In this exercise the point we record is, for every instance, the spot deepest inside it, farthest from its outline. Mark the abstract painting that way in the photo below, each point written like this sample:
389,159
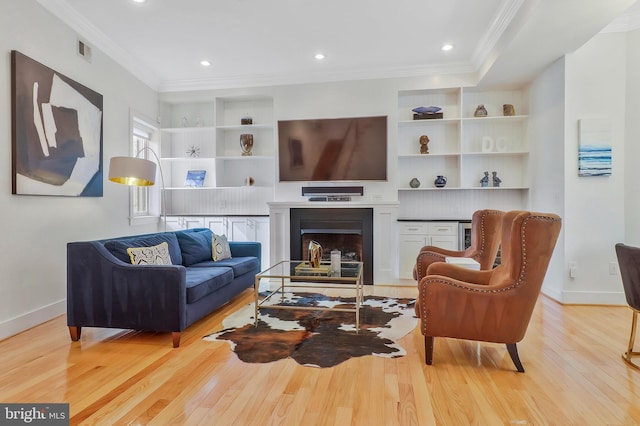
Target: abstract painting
56,132
594,148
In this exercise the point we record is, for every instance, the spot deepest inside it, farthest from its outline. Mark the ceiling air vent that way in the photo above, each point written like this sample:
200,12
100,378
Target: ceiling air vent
84,50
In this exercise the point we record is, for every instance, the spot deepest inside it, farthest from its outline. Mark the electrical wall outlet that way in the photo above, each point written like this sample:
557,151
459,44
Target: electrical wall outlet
613,268
573,269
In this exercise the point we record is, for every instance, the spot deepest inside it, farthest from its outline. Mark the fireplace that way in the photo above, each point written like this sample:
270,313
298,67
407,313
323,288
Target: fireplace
347,230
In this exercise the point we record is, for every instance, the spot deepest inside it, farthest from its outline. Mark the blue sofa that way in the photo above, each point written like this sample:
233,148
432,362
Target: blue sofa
105,290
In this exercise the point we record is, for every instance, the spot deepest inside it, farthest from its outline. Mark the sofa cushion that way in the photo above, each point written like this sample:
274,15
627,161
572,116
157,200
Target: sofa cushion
220,247
195,246
156,255
118,247
240,265
204,281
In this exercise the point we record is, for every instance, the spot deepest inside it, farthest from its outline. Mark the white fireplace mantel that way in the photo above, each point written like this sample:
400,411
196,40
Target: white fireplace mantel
385,216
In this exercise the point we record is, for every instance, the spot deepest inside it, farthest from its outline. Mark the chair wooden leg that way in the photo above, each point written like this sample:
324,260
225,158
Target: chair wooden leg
175,335
428,349
632,338
75,332
513,352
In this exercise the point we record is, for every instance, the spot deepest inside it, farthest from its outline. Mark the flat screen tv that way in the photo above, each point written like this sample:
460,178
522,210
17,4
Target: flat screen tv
333,149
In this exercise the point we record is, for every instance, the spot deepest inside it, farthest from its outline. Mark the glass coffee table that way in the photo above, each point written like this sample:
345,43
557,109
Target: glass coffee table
289,274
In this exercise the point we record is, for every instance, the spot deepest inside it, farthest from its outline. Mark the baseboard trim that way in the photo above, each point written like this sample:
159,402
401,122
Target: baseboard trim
593,298
28,320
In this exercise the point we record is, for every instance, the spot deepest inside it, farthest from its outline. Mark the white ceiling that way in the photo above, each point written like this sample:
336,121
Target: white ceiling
257,42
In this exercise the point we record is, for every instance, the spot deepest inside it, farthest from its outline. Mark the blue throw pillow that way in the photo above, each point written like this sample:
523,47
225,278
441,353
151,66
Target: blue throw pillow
195,246
118,247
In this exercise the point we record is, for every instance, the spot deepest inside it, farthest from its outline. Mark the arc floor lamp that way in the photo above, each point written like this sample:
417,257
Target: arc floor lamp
135,171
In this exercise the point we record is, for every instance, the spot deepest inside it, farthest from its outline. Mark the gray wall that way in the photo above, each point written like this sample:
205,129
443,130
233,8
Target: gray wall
35,229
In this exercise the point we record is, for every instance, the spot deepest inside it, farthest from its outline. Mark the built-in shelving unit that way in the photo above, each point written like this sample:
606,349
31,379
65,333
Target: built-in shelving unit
462,147
206,136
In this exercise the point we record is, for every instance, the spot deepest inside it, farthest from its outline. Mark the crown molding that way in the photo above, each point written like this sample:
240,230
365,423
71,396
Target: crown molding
508,10
629,21
67,14
239,81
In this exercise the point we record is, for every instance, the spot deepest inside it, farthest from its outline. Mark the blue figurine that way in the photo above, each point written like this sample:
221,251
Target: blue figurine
484,182
496,179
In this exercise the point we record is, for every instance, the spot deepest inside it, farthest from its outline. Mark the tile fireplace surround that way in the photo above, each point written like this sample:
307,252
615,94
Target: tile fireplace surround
383,267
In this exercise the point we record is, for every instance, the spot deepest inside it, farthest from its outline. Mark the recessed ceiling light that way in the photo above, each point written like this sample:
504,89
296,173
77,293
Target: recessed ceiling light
447,47
205,63
319,56
139,1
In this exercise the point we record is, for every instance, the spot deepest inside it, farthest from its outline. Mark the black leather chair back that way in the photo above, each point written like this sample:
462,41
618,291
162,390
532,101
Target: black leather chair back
629,262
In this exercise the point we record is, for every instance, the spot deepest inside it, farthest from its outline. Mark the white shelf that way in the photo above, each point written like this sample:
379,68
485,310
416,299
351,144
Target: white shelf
471,188
247,127
456,140
187,129
220,154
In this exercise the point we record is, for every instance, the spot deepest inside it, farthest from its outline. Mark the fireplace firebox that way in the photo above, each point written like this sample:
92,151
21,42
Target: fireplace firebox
347,230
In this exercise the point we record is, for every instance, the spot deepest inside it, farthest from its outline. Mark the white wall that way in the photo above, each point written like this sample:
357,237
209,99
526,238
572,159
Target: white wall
632,141
36,229
594,206
547,161
336,99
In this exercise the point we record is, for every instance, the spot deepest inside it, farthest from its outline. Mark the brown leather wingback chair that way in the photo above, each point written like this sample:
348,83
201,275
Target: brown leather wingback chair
486,226
629,263
494,305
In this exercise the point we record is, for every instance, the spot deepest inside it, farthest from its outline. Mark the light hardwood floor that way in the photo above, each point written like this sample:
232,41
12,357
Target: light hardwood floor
574,376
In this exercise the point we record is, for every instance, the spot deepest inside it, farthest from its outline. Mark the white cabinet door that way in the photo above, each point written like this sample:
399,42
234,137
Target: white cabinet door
444,241
237,229
217,224
415,235
191,222
410,245
176,223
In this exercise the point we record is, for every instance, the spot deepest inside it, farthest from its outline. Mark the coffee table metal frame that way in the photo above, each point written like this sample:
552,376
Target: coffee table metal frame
277,273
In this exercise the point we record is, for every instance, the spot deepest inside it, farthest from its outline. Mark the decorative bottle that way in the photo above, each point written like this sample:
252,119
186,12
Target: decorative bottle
440,181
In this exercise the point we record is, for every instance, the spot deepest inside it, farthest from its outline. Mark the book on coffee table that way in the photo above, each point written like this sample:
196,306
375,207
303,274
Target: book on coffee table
465,262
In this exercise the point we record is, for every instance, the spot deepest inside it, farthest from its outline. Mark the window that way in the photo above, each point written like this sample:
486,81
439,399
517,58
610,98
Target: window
140,194
145,201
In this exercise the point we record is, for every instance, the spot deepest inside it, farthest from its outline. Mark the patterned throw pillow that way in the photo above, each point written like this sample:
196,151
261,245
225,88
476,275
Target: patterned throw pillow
155,255
220,247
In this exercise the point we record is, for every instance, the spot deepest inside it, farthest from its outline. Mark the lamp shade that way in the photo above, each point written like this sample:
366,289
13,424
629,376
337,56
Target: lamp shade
132,171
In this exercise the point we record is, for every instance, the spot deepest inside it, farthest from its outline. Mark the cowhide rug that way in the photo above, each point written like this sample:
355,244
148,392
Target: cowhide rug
319,338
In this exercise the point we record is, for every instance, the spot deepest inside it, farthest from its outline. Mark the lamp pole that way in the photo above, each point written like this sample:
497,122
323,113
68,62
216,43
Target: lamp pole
163,201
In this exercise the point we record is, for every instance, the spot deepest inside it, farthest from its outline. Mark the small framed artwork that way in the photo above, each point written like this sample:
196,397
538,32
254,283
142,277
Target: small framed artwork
56,132
594,147
195,178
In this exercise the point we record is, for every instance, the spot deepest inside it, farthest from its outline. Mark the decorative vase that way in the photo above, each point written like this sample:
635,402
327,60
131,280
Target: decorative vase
440,181
481,111
508,110
414,183
315,254
424,144
246,143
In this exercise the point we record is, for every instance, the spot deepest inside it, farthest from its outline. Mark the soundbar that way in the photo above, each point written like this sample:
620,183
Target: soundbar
331,191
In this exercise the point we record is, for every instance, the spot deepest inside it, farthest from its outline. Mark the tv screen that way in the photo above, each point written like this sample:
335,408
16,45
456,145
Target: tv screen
333,149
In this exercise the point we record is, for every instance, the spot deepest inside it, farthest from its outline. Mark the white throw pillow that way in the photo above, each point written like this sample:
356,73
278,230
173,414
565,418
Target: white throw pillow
155,255
220,247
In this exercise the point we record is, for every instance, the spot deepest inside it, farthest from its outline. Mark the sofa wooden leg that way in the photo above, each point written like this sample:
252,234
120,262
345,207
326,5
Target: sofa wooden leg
176,339
428,349
513,352
75,332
